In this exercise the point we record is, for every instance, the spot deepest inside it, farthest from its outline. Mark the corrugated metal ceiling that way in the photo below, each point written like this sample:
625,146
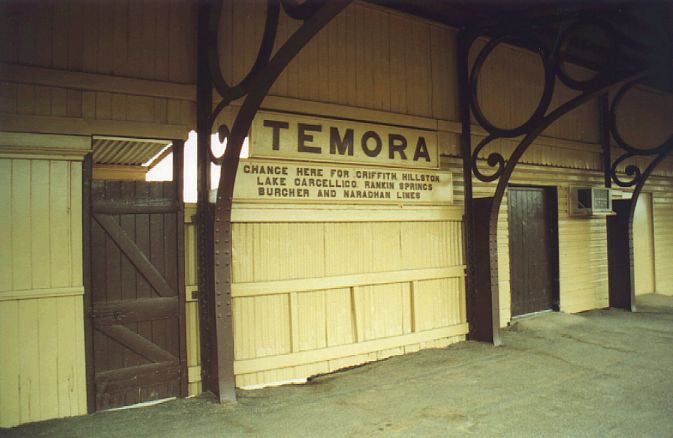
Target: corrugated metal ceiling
126,151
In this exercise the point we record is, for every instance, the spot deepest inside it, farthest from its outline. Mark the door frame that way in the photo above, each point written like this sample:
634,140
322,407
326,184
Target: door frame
551,204
648,198
87,217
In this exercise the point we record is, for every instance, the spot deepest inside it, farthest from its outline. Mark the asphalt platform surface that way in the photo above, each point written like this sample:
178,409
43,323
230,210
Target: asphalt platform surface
602,373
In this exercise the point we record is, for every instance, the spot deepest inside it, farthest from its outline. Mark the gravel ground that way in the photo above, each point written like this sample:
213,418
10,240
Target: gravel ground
600,373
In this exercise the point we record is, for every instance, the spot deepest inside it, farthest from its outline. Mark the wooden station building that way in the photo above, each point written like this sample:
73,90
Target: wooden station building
417,174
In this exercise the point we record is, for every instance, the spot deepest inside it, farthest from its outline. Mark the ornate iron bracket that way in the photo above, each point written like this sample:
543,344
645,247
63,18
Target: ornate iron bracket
619,227
636,176
482,214
215,229
608,76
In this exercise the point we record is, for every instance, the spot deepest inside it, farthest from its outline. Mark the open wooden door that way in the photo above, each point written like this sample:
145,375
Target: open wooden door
136,285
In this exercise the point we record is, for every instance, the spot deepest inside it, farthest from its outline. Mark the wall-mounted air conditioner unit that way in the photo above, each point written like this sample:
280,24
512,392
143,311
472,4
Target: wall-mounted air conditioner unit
589,201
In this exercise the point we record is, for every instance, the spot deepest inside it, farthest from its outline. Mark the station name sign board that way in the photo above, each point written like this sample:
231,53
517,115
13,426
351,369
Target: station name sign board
273,180
293,137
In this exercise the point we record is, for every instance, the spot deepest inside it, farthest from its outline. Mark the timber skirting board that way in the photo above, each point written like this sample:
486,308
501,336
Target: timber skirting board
253,289
323,354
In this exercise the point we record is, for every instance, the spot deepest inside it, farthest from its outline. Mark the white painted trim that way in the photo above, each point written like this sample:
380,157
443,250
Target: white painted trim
194,374
300,381
275,287
347,213
88,127
269,213
30,294
44,146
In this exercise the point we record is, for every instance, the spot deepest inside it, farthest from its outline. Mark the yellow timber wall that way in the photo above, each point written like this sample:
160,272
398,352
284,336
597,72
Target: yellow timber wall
318,289
662,214
71,70
382,66
98,68
583,269
192,303
376,65
313,294
127,69
42,371
313,297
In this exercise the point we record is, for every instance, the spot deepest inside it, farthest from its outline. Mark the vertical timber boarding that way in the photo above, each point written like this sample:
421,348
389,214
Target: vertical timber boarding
42,365
77,72
416,49
193,347
87,178
136,292
316,289
178,147
570,146
662,200
313,293
643,246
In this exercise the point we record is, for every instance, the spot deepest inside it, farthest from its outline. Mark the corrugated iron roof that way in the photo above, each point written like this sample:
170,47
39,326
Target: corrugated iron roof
126,151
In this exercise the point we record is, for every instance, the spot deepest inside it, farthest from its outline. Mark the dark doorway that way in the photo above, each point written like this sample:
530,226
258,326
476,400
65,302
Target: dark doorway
533,249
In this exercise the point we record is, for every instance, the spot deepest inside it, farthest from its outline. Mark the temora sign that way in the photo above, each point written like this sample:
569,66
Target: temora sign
286,136
291,181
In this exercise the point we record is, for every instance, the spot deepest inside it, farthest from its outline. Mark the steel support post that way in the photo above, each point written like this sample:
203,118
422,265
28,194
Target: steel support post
482,294
620,256
216,371
215,227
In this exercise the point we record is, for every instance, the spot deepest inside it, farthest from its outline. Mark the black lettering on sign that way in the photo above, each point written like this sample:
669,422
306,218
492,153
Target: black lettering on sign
365,146
303,138
276,126
308,171
326,193
421,150
397,143
342,145
339,173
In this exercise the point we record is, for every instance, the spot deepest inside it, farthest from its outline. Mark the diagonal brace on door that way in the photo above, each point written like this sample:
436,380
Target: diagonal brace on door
136,343
135,255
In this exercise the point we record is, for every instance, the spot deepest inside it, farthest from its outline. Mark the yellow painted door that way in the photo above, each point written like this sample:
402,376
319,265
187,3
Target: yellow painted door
643,245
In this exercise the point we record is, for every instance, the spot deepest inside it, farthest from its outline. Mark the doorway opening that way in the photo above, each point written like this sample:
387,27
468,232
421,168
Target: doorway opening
533,249
134,274
643,246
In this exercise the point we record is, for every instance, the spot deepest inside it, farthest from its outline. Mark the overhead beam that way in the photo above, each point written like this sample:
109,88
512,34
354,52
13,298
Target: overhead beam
52,77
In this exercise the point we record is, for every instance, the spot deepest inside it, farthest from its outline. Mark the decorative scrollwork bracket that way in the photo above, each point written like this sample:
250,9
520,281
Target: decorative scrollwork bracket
608,76
481,214
635,176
